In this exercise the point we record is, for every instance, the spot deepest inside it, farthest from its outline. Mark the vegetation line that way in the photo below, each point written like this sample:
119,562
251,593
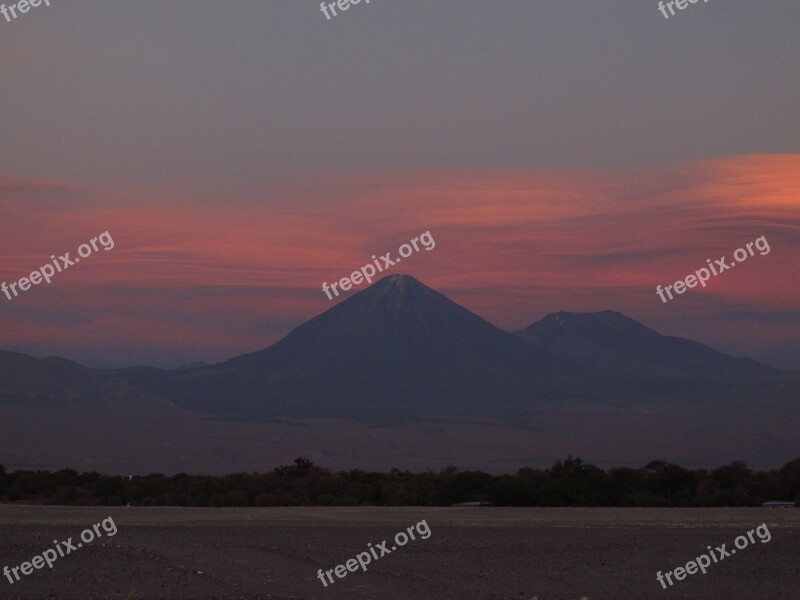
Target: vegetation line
570,482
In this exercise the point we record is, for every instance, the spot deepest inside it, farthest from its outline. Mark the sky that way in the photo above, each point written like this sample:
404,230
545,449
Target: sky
563,155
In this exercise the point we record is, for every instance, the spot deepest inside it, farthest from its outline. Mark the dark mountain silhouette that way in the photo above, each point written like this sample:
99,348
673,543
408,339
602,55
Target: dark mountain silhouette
395,349
399,349
454,389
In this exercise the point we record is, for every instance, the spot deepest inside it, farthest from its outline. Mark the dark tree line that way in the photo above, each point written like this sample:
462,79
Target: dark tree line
570,482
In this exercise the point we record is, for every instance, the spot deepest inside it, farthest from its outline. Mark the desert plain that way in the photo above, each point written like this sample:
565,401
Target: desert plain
471,554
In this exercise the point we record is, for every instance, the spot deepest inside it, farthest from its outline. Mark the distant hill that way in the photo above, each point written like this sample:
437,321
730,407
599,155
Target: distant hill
192,365
56,382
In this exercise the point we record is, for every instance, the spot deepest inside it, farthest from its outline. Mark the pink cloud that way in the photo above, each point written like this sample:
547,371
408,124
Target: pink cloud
510,244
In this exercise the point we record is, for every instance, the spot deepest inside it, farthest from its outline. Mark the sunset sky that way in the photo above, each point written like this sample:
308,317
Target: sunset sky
564,156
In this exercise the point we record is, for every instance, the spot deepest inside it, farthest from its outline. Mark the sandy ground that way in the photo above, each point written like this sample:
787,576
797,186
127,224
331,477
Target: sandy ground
472,554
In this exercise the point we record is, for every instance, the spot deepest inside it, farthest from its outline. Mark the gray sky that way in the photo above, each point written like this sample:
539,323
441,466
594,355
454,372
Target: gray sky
183,94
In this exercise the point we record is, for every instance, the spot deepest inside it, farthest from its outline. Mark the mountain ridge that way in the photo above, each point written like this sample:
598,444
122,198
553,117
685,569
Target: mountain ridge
399,349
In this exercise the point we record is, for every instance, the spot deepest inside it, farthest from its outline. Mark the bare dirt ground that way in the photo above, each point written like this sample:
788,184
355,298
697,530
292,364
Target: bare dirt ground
472,554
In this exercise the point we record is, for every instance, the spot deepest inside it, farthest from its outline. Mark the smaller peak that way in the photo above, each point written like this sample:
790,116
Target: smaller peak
583,321
562,314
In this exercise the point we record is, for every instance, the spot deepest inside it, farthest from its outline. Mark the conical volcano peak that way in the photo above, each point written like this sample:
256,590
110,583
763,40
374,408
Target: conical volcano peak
399,282
396,290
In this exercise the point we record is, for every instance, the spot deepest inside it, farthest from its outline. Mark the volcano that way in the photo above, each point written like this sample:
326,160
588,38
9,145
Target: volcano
395,349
